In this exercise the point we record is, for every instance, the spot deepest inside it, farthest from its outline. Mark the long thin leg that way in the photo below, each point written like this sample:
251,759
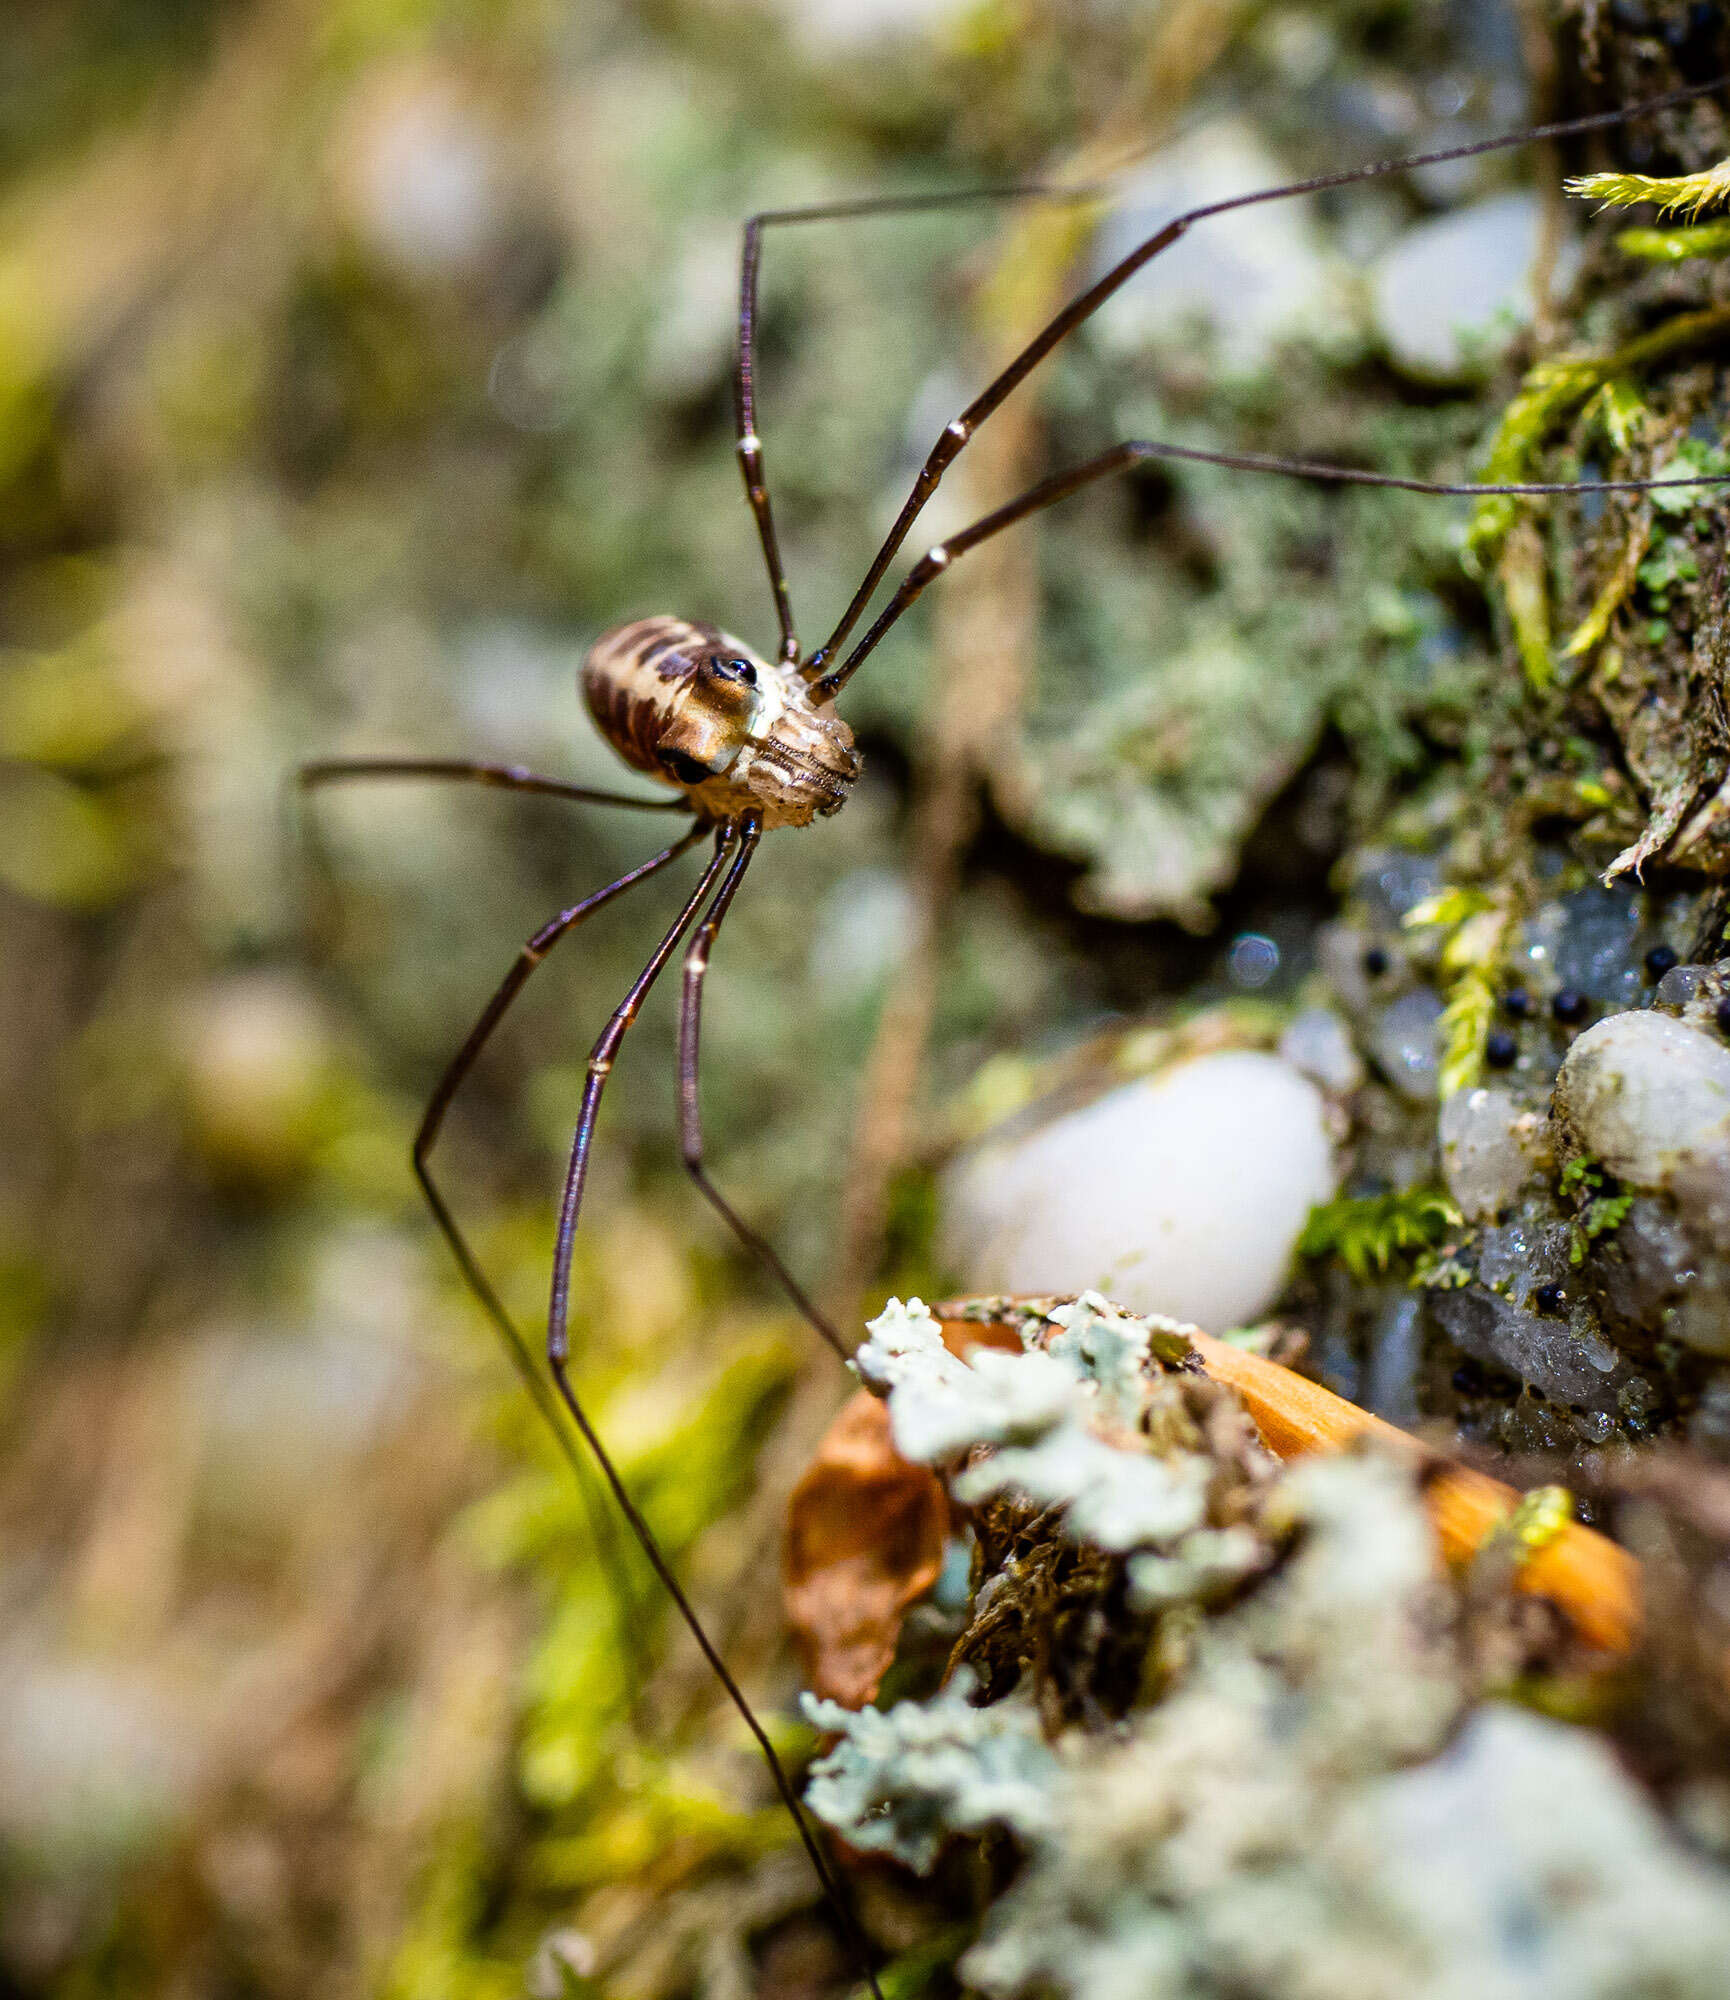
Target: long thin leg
690,1114
432,1121
601,1060
1136,451
508,777
750,445
956,434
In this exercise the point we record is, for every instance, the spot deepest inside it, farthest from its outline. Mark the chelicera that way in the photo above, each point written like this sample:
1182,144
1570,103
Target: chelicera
743,745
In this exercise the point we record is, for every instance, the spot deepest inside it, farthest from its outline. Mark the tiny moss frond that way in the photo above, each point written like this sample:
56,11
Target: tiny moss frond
1447,909
1596,624
1620,412
1605,1214
1367,1233
1602,1206
1465,1024
1550,390
1680,194
1478,924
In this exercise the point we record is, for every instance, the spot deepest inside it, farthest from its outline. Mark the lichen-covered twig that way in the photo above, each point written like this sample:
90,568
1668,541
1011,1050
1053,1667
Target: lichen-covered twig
1593,1581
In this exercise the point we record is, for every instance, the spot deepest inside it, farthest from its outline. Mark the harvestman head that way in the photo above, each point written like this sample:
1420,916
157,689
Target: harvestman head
747,746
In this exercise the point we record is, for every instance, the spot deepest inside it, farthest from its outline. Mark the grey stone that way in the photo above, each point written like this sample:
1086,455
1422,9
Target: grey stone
1450,293
1542,1351
1403,1041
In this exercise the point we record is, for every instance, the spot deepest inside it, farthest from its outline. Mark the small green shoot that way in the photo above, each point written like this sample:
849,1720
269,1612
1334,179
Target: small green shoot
1676,246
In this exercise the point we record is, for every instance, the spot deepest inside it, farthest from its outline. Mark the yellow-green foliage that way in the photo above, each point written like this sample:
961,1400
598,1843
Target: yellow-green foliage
1367,1233
1464,1025
1593,628
1679,194
436,1955
1601,1210
1550,391
685,1474
1675,246
1477,924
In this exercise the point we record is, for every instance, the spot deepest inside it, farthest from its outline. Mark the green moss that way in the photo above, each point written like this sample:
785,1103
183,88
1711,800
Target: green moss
439,1951
1370,1234
1600,1206
1676,246
1674,194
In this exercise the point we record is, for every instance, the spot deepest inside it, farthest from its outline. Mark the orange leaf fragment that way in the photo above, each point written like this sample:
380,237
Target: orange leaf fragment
865,1536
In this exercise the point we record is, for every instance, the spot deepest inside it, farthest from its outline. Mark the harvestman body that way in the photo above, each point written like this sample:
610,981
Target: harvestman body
751,746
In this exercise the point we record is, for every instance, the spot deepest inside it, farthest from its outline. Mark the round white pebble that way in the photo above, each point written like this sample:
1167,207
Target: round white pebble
1650,1098
1182,1193
1489,1149
1450,293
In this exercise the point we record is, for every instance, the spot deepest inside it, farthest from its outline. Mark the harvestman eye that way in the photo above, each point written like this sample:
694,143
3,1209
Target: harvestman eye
629,724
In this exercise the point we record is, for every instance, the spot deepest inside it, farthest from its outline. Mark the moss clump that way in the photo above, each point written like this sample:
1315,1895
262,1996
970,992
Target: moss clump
1371,1234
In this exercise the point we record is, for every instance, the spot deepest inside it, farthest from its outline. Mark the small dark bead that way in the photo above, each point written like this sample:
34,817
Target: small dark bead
1375,961
1500,1049
1517,1003
1569,1005
1721,1014
1659,960
1469,1378
1550,1299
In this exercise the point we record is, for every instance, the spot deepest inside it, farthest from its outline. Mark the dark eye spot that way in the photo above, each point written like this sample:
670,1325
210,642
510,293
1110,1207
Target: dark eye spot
684,767
733,669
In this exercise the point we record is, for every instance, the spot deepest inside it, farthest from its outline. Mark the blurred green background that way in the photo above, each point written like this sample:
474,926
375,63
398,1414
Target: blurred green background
360,361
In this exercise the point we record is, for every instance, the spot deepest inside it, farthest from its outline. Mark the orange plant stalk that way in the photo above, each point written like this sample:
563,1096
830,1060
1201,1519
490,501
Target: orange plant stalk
1593,1580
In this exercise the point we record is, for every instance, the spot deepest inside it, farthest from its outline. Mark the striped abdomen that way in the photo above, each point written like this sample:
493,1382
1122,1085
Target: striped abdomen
691,705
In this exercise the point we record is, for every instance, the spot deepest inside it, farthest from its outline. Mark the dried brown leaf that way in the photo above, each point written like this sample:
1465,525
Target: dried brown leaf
865,1537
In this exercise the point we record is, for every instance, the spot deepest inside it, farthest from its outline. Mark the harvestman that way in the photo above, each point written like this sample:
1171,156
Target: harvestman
753,745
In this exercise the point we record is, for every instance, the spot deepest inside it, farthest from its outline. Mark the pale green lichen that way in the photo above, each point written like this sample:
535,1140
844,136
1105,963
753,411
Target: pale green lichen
1219,1853
903,1781
1060,1425
1293,1820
